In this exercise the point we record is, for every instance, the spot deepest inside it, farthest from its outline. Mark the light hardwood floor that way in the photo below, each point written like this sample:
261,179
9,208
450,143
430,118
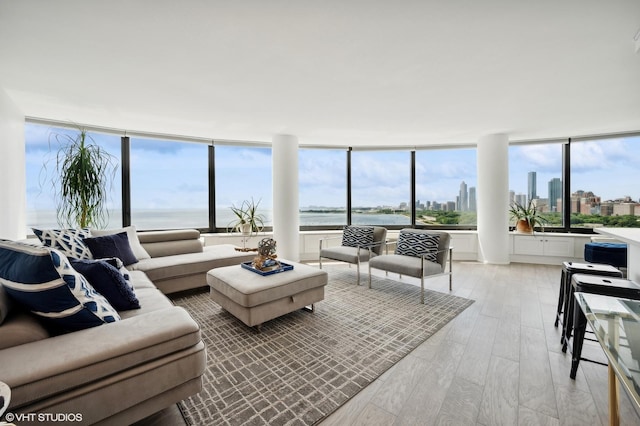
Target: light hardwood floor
498,363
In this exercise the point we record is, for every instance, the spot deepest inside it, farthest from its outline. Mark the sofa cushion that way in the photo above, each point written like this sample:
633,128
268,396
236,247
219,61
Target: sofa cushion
68,241
405,265
138,251
418,244
42,280
357,236
116,245
86,357
19,328
109,282
181,265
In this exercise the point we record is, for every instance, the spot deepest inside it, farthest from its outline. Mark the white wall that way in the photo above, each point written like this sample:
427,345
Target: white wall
12,170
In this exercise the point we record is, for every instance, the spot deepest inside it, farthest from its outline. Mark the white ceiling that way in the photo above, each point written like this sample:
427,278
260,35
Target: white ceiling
332,72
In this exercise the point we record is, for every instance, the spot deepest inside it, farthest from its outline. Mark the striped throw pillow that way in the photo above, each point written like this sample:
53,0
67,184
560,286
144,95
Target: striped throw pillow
42,280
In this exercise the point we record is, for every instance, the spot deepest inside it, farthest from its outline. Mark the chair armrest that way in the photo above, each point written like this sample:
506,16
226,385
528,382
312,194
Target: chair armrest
327,239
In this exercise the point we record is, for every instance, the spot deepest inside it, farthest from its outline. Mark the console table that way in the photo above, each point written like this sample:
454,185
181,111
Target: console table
616,324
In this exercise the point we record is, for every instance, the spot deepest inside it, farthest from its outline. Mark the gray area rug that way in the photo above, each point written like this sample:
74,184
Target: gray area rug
304,365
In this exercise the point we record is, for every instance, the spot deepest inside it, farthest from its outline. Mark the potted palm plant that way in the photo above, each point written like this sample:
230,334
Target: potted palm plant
526,217
84,173
247,219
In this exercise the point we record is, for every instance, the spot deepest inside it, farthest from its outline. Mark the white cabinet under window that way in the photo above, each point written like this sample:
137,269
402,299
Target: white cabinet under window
548,248
541,244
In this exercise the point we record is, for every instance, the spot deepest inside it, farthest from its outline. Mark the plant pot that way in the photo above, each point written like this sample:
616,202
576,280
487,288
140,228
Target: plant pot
523,227
245,228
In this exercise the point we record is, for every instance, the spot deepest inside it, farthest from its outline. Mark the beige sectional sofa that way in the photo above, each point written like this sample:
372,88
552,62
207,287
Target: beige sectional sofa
120,372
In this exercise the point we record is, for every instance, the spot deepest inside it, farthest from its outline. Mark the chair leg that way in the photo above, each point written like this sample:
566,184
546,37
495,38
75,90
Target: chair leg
422,280
450,269
320,262
358,269
369,276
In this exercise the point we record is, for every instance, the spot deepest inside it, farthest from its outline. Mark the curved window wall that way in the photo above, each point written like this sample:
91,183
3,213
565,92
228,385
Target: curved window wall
169,187
535,174
173,183
322,175
446,183
380,188
604,186
242,173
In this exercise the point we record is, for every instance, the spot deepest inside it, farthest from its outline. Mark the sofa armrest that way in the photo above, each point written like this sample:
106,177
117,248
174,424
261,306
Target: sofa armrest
47,367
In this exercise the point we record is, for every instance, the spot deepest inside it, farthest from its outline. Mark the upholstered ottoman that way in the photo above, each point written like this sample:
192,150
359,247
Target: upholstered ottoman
614,254
254,299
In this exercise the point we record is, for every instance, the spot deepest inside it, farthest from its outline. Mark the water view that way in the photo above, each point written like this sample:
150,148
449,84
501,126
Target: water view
198,218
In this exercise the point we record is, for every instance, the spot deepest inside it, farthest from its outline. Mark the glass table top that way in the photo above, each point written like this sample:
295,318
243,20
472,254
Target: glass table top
616,324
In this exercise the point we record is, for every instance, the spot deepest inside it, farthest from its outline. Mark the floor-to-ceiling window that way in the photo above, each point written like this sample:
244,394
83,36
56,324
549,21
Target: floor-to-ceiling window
380,187
535,175
322,179
604,182
169,184
446,183
242,173
42,144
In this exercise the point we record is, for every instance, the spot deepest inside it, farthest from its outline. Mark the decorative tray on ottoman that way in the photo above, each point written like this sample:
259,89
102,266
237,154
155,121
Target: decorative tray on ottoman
283,267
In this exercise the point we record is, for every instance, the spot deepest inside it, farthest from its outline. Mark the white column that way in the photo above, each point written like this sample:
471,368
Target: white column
493,199
13,203
286,219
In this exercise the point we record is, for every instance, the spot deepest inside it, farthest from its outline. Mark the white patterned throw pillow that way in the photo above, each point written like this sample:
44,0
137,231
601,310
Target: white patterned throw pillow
418,244
68,241
357,236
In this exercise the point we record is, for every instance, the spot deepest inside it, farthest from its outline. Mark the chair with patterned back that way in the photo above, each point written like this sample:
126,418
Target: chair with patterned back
359,244
419,253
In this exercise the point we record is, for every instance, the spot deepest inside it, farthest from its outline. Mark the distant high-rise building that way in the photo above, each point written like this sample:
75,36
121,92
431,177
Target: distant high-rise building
451,206
532,186
606,209
555,193
521,199
464,197
472,199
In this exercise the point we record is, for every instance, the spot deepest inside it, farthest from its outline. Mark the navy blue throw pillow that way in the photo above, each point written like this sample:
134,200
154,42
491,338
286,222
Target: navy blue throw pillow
116,245
109,282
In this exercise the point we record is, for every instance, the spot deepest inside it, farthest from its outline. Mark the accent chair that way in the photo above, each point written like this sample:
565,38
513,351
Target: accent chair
419,253
359,244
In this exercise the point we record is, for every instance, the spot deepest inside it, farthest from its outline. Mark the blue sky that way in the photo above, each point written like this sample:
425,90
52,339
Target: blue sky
609,168
174,175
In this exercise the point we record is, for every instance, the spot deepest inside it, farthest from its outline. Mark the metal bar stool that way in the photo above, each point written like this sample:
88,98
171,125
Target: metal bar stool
568,269
616,287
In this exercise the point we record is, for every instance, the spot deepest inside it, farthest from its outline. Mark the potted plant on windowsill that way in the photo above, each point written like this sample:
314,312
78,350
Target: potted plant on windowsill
526,217
247,219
